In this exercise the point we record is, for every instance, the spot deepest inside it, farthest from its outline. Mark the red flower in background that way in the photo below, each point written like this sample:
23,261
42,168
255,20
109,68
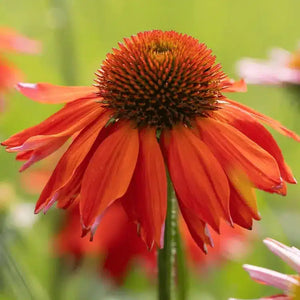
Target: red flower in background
11,41
157,99
115,241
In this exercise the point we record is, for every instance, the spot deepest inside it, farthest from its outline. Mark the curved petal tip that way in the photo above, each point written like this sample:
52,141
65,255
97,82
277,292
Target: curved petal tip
235,86
21,85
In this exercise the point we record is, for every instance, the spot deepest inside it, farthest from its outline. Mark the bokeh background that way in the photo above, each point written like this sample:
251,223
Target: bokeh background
76,35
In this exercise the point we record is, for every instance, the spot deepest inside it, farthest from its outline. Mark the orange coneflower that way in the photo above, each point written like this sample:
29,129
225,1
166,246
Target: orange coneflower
158,100
11,41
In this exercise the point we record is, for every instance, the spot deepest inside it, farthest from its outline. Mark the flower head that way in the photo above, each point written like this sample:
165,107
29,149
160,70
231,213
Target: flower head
290,284
158,101
282,67
160,79
10,41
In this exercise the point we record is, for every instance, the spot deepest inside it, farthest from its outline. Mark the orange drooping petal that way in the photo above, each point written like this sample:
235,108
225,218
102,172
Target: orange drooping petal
71,190
53,94
38,154
10,40
69,194
237,152
248,125
235,86
38,142
242,198
198,179
71,118
239,211
271,122
109,172
196,227
24,155
70,161
146,198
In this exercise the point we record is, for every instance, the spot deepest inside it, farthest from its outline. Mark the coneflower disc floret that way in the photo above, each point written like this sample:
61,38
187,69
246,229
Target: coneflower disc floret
160,79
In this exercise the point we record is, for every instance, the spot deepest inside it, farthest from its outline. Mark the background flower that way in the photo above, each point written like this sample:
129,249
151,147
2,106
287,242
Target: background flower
115,244
290,284
11,41
282,67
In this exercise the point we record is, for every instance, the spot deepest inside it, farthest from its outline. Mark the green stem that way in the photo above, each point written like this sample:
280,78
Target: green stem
13,273
65,42
182,279
166,255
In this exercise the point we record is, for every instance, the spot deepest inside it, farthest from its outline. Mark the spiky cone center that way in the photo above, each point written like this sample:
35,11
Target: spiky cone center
160,79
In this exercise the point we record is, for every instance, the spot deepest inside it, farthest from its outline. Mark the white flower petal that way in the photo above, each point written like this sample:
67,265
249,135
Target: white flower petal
270,277
290,255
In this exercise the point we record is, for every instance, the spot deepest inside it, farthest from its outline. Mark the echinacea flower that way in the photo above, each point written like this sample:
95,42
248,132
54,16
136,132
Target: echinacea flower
290,284
282,67
11,41
158,102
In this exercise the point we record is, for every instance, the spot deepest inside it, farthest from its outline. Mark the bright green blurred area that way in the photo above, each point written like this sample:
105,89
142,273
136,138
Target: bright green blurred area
76,35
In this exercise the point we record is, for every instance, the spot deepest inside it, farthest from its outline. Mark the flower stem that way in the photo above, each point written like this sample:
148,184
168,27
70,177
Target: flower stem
13,274
166,255
65,41
182,279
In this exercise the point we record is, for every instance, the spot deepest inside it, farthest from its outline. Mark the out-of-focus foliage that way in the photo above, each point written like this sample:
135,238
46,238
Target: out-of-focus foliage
76,35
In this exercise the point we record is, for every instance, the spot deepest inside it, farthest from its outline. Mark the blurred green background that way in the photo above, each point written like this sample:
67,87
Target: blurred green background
76,35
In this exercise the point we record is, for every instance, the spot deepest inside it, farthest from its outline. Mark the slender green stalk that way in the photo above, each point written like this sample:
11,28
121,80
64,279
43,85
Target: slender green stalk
166,255
13,273
65,41
181,271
